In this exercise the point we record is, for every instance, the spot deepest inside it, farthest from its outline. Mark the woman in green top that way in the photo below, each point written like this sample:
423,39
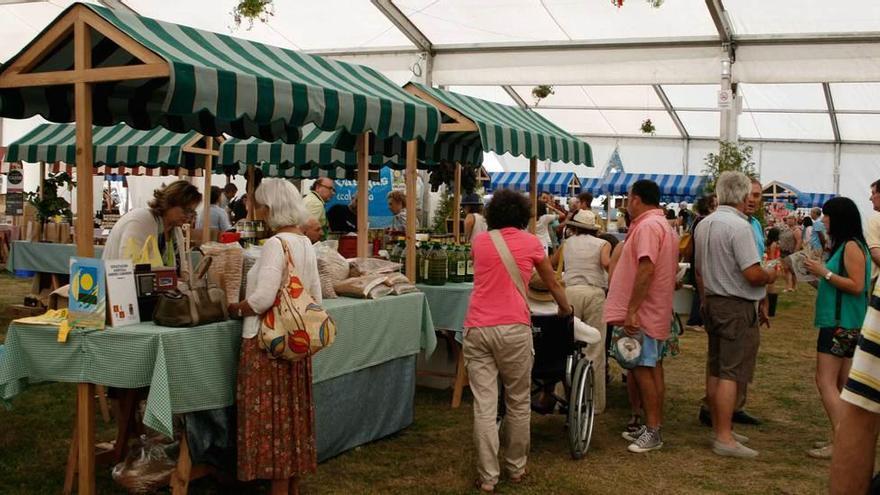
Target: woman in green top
841,304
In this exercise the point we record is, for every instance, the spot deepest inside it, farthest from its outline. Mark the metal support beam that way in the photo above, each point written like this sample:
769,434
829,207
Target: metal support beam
729,114
404,24
719,17
671,111
706,138
706,109
836,172
832,114
515,97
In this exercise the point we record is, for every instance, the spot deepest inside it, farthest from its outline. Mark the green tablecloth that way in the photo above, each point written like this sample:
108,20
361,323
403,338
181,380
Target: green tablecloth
47,257
449,304
43,257
193,369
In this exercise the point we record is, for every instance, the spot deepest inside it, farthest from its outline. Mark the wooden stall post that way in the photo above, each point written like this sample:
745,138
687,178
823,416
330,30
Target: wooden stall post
251,201
85,234
412,151
456,205
533,192
363,198
206,210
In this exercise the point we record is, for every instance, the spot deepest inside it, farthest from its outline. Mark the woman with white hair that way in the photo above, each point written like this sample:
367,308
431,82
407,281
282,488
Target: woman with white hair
276,416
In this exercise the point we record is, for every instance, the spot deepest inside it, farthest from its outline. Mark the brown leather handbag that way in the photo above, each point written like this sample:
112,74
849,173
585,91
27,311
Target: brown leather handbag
196,302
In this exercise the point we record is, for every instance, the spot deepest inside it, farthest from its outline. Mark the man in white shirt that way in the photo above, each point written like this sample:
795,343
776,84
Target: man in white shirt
872,233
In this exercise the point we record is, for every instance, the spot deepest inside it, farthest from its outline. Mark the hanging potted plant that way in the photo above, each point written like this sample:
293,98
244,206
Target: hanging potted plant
251,10
648,127
542,91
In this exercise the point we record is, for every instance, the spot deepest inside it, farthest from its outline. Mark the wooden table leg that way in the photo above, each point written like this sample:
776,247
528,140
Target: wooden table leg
70,471
102,402
180,476
85,437
460,378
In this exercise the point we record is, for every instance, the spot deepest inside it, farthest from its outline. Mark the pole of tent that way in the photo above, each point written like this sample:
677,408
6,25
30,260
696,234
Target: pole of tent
251,201
363,198
533,192
412,150
85,392
206,200
456,205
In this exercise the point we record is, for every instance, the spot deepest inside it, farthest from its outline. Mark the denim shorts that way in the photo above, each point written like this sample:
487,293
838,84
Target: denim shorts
652,351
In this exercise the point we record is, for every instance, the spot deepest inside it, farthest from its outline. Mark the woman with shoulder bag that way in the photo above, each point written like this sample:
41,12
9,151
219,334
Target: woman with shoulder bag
841,305
498,334
276,416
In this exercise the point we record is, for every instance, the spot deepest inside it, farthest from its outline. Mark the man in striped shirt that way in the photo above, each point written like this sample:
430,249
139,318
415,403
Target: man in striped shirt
855,441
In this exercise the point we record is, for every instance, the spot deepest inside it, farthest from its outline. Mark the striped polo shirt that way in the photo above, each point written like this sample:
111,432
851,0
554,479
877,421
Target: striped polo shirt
863,385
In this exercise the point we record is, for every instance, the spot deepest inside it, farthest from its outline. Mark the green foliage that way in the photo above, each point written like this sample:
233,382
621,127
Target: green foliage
51,205
648,127
542,91
252,10
443,212
730,157
445,174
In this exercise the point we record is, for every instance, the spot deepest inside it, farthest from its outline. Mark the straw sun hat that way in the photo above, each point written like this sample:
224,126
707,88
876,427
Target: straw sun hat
584,219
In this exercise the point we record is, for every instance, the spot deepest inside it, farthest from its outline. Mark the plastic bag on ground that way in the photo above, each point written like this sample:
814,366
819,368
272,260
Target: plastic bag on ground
148,466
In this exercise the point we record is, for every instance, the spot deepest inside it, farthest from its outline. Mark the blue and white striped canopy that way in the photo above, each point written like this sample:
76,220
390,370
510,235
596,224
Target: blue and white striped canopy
593,185
672,187
811,200
556,183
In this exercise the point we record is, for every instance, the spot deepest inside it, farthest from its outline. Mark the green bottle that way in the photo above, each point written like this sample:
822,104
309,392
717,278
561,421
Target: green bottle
469,263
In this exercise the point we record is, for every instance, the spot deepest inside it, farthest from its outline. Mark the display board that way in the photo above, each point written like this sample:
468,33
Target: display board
380,215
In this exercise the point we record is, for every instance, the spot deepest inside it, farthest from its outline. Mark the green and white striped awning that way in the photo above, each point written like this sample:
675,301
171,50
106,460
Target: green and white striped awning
509,129
116,145
320,149
221,84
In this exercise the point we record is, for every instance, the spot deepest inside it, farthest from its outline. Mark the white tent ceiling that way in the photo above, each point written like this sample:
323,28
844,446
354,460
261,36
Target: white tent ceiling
803,67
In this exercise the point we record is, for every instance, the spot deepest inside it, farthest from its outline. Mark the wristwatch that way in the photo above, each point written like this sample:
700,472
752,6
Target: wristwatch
828,275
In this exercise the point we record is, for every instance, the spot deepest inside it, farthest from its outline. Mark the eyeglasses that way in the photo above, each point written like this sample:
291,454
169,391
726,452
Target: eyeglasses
331,188
190,212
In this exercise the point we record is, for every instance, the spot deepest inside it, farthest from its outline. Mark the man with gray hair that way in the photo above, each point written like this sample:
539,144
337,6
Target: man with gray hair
731,282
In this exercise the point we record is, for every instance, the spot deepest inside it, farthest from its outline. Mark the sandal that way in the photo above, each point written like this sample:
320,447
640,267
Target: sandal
483,487
517,479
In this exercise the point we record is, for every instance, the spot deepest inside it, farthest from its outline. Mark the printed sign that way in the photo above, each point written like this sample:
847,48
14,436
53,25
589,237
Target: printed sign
14,179
86,301
15,203
725,98
380,215
121,293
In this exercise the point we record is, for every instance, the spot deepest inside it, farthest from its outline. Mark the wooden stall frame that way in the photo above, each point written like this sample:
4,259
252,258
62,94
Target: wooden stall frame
363,195
533,193
456,205
80,21
412,152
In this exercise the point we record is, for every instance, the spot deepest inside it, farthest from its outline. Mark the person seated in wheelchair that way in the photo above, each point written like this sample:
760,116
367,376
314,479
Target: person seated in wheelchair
559,343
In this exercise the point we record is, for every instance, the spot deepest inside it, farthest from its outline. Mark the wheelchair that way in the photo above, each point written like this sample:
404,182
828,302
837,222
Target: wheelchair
560,357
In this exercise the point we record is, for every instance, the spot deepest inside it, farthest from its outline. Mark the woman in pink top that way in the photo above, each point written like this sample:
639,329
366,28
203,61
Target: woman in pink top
498,337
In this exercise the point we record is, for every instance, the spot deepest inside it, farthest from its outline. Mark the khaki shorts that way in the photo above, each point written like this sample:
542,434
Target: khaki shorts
732,327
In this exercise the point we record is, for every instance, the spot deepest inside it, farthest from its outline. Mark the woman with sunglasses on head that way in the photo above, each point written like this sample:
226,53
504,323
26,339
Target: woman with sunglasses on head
171,207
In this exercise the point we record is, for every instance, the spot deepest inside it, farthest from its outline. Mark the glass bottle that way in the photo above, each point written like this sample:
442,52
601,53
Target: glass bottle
469,263
438,265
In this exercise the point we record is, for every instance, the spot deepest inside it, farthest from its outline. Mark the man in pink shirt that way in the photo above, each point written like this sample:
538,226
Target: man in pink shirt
640,300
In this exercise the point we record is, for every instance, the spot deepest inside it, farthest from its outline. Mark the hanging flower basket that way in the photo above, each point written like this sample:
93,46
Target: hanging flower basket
653,3
251,10
542,91
648,127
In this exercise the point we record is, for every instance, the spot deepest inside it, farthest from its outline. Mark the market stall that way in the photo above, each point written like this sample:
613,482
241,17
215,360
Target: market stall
673,188
593,185
813,199
565,184
370,363
503,129
185,79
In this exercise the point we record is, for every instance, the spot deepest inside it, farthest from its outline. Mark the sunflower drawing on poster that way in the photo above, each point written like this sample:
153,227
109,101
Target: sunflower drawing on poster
87,296
380,215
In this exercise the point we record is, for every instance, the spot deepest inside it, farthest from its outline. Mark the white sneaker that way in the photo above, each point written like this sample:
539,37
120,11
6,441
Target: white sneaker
736,436
649,440
737,450
822,452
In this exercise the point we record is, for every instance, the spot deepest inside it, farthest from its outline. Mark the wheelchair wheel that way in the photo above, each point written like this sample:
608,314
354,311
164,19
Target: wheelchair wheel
580,409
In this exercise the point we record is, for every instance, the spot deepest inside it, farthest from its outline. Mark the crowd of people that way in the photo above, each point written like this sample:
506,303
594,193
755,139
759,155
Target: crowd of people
735,256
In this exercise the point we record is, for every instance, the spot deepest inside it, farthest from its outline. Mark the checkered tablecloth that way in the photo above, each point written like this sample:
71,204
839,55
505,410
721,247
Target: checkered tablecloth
193,369
448,303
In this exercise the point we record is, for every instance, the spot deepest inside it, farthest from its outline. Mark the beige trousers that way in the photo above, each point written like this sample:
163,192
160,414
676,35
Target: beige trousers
490,352
589,303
